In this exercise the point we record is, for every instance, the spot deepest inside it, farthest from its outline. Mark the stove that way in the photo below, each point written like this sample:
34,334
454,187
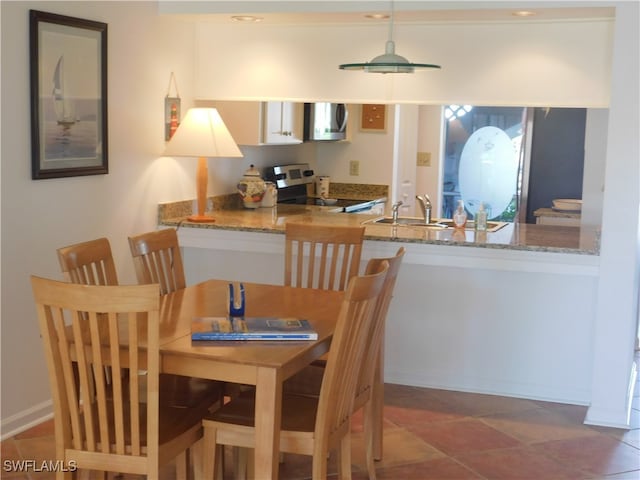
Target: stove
292,180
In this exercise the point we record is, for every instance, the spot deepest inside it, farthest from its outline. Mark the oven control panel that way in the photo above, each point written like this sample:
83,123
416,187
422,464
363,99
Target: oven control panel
290,175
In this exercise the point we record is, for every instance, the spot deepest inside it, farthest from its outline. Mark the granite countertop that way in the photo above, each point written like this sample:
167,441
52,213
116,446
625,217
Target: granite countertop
513,236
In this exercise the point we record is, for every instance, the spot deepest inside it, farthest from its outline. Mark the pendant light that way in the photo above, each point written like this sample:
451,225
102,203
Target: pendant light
389,62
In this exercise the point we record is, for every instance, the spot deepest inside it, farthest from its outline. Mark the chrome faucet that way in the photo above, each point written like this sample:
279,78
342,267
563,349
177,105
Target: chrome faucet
425,203
394,210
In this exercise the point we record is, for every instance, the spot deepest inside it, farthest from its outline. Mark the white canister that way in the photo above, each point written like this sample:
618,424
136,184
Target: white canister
322,186
270,195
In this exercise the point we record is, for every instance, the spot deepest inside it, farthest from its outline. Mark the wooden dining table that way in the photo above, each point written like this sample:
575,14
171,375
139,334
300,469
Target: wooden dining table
265,364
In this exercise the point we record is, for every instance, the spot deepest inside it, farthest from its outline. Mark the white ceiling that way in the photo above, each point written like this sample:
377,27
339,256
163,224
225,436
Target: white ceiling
353,12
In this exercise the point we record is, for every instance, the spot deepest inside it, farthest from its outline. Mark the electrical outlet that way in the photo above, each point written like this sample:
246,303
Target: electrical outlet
354,168
424,159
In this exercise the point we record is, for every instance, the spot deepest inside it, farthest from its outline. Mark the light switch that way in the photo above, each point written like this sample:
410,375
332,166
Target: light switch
354,168
424,159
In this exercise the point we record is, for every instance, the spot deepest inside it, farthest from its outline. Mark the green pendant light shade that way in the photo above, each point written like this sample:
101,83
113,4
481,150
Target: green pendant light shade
389,61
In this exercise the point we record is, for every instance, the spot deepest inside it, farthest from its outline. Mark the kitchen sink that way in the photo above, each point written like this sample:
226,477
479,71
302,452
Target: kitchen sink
439,223
405,221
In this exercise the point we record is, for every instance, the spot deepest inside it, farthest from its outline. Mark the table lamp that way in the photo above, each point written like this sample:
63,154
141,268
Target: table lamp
202,134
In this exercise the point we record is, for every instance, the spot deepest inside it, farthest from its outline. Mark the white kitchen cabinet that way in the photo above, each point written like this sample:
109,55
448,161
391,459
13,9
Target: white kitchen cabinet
284,122
261,123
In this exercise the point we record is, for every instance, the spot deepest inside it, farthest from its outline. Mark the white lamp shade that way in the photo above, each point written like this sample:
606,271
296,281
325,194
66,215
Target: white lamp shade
202,133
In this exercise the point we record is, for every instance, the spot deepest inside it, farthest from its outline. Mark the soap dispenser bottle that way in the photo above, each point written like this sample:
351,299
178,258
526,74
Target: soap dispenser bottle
481,219
460,216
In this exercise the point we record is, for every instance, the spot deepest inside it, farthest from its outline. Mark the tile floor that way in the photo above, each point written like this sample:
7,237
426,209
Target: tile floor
437,434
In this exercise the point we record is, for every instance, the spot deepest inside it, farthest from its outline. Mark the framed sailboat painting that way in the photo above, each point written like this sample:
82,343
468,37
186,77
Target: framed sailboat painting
68,96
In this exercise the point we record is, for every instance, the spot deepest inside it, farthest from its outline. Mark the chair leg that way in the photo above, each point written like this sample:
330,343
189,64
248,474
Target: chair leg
219,466
243,463
319,466
251,464
240,458
196,459
209,454
182,465
377,406
344,458
81,474
370,440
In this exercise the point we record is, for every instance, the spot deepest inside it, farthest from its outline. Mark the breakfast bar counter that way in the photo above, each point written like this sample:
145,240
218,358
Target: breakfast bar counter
465,304
512,236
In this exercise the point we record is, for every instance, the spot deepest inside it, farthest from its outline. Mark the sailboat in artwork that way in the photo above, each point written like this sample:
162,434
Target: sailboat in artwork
62,105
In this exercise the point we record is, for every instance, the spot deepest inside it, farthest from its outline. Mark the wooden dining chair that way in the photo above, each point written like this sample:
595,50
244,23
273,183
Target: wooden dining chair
157,259
311,425
370,390
321,256
100,424
371,377
91,263
88,263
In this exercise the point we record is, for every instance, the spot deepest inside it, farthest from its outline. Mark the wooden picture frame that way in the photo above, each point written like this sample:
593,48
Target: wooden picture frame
373,118
68,96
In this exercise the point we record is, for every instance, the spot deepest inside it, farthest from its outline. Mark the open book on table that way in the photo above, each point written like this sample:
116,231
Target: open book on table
251,328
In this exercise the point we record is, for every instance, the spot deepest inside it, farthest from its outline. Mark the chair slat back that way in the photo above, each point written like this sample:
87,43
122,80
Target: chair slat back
93,327
374,343
321,256
157,259
346,355
88,263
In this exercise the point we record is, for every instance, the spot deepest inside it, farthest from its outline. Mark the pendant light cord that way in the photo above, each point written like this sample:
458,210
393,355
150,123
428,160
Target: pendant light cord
391,23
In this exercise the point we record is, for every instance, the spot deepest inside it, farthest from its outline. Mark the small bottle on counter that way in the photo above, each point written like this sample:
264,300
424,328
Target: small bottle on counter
460,216
481,219
270,197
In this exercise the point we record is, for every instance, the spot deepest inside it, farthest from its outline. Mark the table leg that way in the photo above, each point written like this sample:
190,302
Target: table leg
268,415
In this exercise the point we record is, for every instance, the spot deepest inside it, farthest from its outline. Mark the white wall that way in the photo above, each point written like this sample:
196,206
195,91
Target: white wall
40,216
595,153
405,151
515,63
618,283
430,137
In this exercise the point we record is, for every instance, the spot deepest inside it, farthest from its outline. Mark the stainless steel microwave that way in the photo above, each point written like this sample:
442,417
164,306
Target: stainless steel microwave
325,121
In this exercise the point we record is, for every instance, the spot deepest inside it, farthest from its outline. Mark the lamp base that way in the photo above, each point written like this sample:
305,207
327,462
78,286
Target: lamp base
201,219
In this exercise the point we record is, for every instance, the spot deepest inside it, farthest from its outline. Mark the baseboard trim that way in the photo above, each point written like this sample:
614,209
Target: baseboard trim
26,419
503,389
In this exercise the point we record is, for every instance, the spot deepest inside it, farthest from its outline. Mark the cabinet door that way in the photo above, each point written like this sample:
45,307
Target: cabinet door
282,122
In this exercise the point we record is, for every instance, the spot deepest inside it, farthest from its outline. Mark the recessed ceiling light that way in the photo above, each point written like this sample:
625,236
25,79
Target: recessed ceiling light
523,13
377,16
246,18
